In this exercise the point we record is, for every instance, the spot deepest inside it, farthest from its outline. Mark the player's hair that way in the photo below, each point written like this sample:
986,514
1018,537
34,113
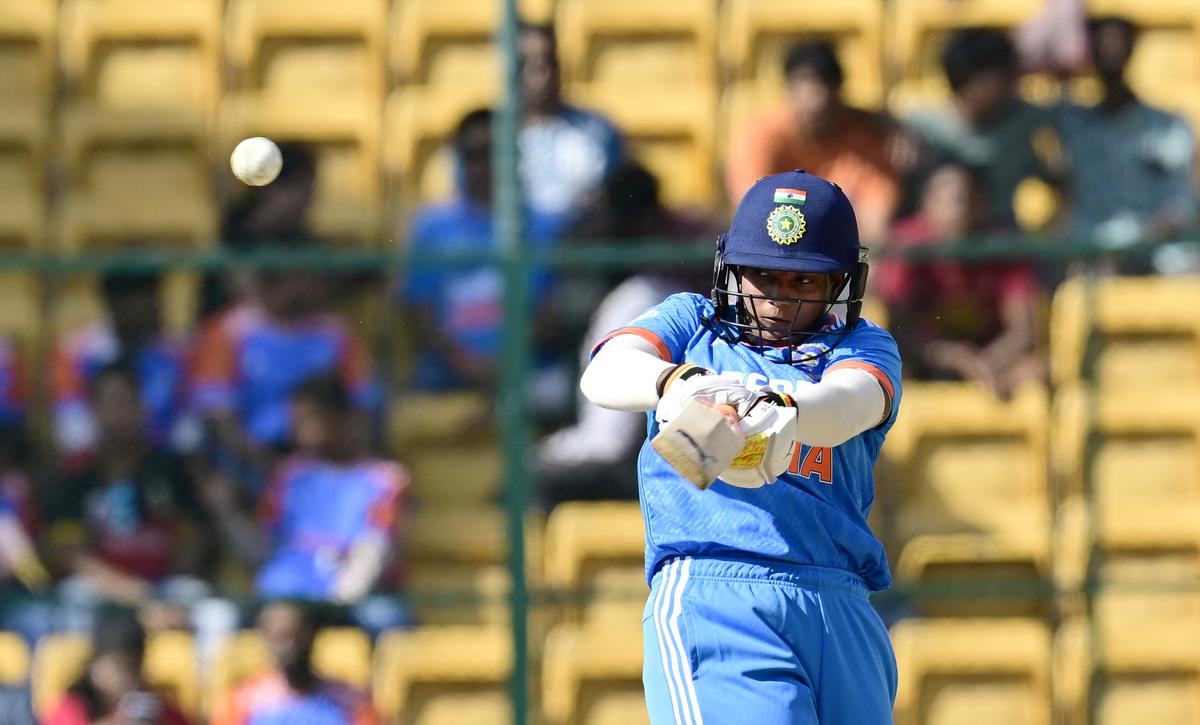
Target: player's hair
1100,22
124,282
818,57
480,117
327,392
971,51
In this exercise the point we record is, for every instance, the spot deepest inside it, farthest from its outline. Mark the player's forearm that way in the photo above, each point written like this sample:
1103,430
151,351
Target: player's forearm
361,569
845,403
624,375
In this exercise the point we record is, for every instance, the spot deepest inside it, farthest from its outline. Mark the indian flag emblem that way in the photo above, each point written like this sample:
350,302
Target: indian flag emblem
790,196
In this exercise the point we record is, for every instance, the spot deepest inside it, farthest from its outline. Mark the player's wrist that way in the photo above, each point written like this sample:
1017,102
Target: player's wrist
778,398
674,374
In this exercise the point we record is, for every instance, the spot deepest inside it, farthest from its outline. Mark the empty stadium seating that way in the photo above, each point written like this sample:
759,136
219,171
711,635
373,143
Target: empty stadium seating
980,671
307,47
971,497
671,130
443,675
27,89
596,550
119,54
757,34
1126,331
445,43
632,42
593,675
137,177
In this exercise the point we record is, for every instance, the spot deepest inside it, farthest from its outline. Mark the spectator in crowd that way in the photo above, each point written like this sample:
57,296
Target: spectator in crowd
122,523
19,561
275,215
458,310
594,457
815,130
955,320
986,125
331,518
565,151
292,692
112,689
1130,165
250,359
132,330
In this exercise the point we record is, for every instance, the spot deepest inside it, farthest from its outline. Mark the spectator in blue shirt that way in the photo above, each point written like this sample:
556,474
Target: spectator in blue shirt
459,310
566,152
1129,164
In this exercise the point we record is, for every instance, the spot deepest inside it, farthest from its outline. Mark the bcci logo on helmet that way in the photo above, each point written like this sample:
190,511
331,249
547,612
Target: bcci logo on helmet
786,224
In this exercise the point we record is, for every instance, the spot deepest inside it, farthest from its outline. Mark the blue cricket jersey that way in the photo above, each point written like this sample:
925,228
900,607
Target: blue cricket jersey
816,513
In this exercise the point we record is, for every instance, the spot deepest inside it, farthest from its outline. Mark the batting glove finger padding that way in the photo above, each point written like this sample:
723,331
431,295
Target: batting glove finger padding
707,388
770,430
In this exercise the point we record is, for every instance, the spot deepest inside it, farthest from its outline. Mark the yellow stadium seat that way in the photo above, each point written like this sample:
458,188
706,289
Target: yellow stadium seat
670,129
1132,450
446,43
345,138
139,178
972,498
60,659
917,30
596,551
981,671
759,33
459,594
420,123
443,675
593,675
1132,670
420,419
1126,331
627,42
440,479
309,49
144,54
473,535
172,667
14,659
21,309
22,176
28,37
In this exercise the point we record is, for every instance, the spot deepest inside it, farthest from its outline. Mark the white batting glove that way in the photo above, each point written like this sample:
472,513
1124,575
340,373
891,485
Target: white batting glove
705,387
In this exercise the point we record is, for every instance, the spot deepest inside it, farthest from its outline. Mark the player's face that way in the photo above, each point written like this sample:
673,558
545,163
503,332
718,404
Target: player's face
783,301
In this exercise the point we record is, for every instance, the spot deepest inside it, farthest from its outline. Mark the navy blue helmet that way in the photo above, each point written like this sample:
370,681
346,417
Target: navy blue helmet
794,222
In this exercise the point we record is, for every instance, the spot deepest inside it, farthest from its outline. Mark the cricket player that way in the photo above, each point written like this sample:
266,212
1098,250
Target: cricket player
758,610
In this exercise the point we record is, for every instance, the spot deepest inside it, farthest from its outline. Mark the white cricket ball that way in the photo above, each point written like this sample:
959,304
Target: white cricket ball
256,161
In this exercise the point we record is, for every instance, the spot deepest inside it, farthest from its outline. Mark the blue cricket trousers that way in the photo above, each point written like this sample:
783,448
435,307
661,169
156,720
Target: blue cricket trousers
734,642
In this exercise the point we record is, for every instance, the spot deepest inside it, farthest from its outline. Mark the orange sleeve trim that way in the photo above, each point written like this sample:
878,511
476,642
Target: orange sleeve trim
881,376
889,391
663,351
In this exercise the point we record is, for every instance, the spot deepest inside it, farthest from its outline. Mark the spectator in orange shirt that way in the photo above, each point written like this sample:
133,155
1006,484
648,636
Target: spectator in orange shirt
291,692
817,132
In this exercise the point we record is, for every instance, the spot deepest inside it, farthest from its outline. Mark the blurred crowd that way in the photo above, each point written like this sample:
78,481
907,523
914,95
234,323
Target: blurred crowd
255,444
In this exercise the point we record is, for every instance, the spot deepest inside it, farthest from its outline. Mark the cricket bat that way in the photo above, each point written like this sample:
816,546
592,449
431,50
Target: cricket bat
700,442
